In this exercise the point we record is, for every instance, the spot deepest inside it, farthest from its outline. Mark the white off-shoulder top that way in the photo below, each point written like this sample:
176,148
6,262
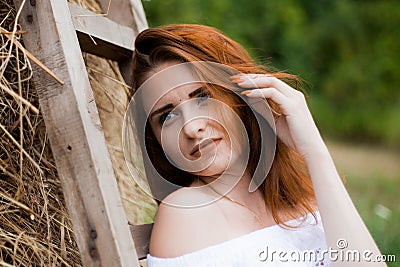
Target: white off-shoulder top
271,246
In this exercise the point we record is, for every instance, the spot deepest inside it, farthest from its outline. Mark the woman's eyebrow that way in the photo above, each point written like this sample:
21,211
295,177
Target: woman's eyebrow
170,106
161,110
197,92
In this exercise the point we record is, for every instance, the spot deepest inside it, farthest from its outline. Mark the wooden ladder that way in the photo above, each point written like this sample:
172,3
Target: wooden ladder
57,33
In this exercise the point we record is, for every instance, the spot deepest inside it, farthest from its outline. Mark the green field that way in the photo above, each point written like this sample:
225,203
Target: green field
373,181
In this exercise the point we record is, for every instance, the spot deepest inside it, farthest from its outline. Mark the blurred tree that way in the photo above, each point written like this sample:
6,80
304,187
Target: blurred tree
349,50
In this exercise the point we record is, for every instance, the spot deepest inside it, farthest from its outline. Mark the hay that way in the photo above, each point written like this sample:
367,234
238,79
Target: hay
112,99
35,229
34,226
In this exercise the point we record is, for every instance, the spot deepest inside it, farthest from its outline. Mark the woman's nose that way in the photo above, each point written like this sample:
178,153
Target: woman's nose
194,127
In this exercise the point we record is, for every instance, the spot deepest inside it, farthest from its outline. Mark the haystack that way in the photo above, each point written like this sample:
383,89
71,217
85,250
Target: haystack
35,229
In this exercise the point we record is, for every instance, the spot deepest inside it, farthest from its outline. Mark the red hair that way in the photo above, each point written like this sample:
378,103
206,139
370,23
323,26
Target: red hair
287,188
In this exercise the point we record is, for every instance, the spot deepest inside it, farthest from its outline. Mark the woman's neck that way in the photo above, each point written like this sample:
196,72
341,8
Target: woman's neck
234,186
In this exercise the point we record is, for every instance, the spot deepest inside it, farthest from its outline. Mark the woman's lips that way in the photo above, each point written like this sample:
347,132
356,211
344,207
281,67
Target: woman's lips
204,145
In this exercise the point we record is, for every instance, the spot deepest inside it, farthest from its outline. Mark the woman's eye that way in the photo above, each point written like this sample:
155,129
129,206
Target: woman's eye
166,116
203,97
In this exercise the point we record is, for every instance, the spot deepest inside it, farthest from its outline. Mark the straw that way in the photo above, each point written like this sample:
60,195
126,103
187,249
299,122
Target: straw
35,229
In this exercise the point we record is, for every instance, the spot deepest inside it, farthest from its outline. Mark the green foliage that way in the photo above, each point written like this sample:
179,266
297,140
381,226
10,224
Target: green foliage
348,50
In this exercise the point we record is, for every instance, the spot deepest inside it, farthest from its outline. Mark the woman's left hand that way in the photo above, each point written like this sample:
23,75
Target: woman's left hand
295,125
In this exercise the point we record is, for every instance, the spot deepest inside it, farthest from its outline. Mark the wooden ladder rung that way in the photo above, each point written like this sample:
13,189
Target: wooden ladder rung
102,36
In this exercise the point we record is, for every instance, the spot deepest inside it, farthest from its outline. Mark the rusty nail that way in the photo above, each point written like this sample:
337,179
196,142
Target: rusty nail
93,234
93,253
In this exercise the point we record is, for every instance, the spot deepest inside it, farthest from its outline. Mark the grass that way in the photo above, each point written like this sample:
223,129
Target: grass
374,189
371,195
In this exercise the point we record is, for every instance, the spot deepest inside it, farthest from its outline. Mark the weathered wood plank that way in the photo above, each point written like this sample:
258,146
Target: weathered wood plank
102,36
141,234
139,15
126,12
76,137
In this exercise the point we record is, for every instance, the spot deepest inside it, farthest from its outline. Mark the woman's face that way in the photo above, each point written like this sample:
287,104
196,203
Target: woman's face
197,133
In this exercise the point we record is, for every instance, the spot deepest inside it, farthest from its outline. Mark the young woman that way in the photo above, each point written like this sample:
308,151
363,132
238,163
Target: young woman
238,183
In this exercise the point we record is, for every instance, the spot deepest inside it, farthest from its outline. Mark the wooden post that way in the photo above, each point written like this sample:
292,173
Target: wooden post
77,141
129,13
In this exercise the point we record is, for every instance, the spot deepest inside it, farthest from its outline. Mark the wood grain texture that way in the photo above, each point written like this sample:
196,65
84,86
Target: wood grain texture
141,234
129,13
139,15
76,137
102,36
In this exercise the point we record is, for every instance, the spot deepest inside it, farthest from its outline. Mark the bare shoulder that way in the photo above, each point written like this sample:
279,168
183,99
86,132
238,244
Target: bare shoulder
180,230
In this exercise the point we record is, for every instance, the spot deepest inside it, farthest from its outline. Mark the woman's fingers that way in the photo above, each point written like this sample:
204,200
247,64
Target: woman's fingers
262,81
252,80
296,127
270,93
